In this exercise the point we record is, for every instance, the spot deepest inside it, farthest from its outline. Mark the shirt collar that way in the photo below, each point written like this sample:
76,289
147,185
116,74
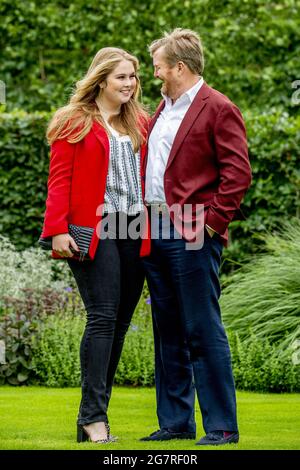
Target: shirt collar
189,94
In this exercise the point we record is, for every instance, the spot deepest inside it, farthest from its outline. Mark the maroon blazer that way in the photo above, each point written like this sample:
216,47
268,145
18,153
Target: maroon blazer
209,163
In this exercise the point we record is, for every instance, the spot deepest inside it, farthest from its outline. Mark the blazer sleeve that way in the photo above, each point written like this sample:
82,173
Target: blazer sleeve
234,167
59,188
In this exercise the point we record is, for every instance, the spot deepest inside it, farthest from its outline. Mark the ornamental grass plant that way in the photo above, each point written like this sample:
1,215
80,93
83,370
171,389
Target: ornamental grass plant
263,297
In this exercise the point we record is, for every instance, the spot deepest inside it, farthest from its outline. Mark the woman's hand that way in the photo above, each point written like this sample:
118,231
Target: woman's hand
61,245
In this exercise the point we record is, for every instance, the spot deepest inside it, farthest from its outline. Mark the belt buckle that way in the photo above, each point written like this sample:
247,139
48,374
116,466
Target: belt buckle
161,208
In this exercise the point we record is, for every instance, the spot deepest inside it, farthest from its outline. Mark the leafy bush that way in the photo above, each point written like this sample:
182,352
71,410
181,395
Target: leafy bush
55,345
136,366
21,319
30,276
274,151
15,331
30,291
258,367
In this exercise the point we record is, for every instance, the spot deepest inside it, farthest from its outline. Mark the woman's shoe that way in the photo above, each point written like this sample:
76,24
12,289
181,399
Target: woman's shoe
109,436
83,435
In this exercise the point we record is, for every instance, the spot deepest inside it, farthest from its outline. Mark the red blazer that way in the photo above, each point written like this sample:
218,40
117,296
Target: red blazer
76,185
209,163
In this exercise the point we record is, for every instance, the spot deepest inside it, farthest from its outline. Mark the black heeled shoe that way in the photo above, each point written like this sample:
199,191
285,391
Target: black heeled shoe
83,435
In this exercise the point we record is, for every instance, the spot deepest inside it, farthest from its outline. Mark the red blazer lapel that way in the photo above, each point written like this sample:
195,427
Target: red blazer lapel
193,112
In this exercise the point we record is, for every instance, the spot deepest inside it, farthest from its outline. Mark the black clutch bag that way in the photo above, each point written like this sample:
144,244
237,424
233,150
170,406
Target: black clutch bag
81,235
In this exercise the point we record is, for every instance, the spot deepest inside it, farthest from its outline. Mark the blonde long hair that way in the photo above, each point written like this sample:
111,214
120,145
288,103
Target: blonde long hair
74,121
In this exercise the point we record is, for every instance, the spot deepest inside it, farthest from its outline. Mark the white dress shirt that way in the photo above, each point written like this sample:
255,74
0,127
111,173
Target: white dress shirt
161,140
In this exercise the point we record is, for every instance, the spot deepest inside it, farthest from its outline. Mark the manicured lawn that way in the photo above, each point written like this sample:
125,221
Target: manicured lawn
43,418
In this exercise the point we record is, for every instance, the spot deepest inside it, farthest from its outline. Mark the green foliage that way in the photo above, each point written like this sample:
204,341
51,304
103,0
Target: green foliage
55,345
20,321
29,294
264,295
257,366
274,196
23,176
16,329
136,366
29,276
252,46
55,351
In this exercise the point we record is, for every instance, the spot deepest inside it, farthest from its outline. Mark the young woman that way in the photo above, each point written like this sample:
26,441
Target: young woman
97,151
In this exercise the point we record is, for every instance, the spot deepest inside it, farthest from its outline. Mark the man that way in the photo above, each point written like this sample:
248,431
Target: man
197,155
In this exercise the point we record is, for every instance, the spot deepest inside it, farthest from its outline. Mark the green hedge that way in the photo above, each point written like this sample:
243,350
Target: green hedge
274,196
252,47
24,165
274,146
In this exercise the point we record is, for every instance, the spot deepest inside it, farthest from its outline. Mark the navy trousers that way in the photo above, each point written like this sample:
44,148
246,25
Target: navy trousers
191,346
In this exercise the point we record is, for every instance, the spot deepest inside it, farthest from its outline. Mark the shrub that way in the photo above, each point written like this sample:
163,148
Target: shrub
274,196
29,272
256,363
55,345
31,289
136,366
258,367
20,321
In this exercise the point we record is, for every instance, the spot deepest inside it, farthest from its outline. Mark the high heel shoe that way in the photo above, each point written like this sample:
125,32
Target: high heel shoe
83,435
109,436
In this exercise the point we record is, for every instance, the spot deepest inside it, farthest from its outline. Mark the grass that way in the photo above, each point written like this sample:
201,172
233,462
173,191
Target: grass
44,418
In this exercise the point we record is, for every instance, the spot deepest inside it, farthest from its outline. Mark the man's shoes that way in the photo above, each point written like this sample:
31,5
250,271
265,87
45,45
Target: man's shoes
165,435
218,438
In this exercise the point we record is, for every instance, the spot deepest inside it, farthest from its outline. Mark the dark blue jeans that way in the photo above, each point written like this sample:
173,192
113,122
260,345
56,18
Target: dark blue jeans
191,346
110,287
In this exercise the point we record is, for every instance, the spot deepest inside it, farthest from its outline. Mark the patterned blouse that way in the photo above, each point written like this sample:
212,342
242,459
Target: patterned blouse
123,184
